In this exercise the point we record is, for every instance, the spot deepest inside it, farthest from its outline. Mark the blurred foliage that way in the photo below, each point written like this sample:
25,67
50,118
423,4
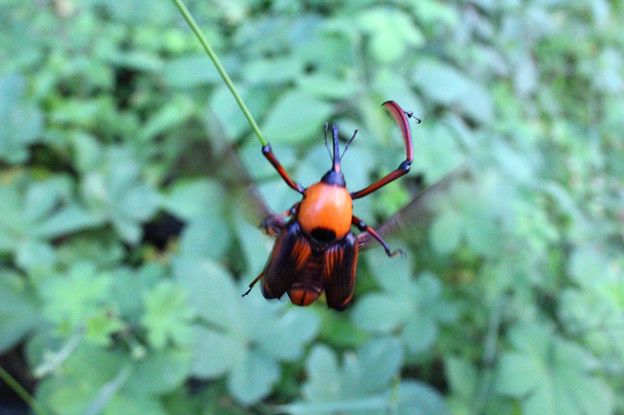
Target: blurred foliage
112,127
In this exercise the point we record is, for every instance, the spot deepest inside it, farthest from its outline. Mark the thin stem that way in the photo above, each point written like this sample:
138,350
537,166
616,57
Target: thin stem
215,60
21,392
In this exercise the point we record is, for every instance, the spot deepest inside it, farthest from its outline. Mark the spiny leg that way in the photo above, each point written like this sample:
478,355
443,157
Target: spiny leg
268,153
362,226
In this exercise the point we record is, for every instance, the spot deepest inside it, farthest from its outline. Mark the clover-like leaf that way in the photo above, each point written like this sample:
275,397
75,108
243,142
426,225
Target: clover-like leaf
34,213
413,307
363,384
159,372
114,190
550,375
18,309
466,217
100,326
242,338
167,315
21,120
75,296
114,385
81,381
595,314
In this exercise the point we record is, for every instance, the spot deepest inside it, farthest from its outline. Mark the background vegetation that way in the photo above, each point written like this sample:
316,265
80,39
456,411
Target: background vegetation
124,245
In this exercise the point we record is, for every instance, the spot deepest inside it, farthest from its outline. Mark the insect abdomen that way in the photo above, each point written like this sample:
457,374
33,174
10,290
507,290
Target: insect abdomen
309,284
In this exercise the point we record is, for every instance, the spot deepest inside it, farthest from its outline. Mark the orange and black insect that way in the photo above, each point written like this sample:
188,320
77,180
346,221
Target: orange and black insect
315,250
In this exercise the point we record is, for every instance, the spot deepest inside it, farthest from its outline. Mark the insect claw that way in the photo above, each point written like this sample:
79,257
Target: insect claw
410,114
396,252
252,285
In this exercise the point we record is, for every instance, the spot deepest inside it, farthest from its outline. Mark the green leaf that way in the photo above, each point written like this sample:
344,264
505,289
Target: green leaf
82,381
205,237
420,399
413,309
252,377
393,274
134,405
446,85
324,378
445,232
324,85
34,212
288,334
420,334
551,377
215,353
339,331
169,116
381,313
589,266
32,255
18,310
189,71
379,361
73,297
113,189
158,372
69,219
211,292
273,71
363,383
226,114
22,122
256,245
127,282
462,376
101,326
167,316
297,115
391,33
238,337
189,199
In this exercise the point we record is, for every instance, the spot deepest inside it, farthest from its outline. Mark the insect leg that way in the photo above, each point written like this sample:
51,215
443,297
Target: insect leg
268,153
273,224
362,226
251,285
401,117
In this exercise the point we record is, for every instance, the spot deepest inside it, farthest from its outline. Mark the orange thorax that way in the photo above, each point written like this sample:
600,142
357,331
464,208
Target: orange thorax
328,207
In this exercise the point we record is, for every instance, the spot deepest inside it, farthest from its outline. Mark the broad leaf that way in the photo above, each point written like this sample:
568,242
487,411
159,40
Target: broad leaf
296,116
549,375
21,120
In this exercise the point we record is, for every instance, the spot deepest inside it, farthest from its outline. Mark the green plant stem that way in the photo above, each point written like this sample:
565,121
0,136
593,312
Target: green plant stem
215,60
21,392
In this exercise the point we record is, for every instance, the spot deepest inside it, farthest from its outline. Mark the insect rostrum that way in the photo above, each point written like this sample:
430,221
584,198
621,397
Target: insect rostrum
315,250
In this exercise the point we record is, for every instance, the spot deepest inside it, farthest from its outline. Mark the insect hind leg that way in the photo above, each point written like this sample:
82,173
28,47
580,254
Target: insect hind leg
362,226
251,285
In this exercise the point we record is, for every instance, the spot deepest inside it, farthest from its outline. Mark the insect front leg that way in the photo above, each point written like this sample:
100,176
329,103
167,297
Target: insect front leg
362,226
273,224
401,116
268,153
